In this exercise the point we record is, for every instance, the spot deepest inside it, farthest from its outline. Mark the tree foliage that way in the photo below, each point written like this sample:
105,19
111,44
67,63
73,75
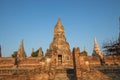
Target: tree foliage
111,47
35,54
85,53
14,55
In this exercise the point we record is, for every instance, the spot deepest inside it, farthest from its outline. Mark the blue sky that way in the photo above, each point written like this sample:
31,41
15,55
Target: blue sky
34,21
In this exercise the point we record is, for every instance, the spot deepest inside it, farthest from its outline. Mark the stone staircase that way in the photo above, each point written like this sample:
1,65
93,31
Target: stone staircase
64,74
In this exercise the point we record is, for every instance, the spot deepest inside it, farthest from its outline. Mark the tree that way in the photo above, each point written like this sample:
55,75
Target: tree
14,55
112,47
35,54
85,53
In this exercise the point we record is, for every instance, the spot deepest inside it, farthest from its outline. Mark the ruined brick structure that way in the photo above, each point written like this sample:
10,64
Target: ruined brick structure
59,63
60,47
21,53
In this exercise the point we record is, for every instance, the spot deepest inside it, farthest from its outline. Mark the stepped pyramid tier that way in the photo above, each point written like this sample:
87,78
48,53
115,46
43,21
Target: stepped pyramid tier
0,51
21,53
96,50
40,53
59,47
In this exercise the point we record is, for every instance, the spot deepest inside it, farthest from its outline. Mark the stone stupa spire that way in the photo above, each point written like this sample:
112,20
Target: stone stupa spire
59,34
40,53
21,53
59,27
96,50
59,21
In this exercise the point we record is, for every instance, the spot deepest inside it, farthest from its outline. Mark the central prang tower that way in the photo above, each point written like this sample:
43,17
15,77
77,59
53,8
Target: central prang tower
59,49
59,40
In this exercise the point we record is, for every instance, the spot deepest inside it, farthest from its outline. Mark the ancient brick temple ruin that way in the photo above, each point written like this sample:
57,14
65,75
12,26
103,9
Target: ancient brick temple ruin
60,63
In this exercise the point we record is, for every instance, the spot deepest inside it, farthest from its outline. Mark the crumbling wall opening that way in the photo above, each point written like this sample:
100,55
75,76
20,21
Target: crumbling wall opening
59,59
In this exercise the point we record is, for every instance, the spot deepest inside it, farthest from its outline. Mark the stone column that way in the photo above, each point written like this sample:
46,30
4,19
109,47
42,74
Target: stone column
42,66
48,61
76,64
